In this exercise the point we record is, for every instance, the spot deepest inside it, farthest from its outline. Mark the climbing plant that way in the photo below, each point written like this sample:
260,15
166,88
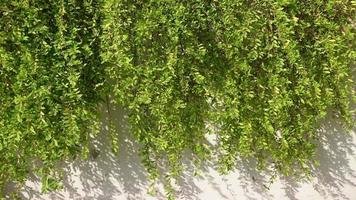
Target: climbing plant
259,76
261,73
50,78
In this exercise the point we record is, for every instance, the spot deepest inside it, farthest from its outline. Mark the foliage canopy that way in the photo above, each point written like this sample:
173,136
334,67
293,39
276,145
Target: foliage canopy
258,75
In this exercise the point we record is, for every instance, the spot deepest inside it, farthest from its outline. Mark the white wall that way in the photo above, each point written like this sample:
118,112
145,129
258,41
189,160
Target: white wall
109,177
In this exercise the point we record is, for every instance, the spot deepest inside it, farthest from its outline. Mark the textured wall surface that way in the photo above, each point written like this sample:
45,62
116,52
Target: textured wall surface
108,177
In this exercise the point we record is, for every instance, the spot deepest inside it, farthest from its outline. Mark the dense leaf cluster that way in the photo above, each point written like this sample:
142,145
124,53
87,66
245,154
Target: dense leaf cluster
50,78
257,75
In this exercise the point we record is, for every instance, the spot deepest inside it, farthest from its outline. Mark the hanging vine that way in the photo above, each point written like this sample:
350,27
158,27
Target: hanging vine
257,75
50,78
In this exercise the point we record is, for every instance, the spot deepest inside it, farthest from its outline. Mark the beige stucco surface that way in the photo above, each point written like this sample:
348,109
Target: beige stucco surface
121,177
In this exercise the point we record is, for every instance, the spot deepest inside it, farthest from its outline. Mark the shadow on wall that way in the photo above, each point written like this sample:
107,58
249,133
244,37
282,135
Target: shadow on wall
104,176
109,177
334,152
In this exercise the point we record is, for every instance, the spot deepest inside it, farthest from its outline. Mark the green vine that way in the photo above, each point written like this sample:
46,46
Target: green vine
50,78
257,75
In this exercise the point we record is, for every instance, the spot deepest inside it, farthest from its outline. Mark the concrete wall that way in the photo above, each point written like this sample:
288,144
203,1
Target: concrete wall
108,177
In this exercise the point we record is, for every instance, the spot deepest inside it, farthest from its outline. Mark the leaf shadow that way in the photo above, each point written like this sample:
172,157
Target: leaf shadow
335,148
105,176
